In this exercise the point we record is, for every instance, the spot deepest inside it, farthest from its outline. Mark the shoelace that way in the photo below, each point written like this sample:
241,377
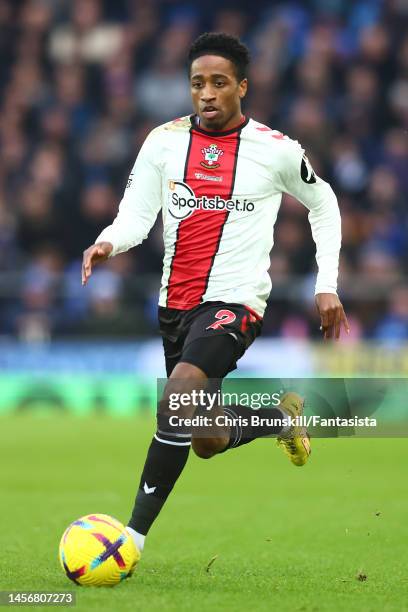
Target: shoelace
290,444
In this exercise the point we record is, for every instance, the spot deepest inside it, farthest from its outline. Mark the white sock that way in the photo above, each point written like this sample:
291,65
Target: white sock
138,538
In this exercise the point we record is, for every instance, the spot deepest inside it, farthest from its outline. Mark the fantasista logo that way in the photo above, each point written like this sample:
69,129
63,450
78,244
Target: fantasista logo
182,202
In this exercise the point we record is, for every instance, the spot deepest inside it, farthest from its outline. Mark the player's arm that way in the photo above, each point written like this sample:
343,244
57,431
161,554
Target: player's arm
137,212
299,179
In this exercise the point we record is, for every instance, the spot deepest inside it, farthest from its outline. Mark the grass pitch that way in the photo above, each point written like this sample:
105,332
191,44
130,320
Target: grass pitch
245,530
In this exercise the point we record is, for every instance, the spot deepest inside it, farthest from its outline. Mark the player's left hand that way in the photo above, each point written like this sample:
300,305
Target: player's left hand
332,315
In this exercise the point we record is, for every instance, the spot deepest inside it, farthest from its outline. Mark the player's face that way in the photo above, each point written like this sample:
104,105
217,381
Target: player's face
216,92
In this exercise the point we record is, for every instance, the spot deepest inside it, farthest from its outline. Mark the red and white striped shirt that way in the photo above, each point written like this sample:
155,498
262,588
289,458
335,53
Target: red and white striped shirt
220,193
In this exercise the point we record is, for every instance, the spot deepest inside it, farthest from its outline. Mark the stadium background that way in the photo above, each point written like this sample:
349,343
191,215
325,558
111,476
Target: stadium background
83,82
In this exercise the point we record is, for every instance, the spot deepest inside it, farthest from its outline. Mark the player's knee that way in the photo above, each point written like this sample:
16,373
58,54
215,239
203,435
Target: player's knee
184,379
187,371
204,452
205,448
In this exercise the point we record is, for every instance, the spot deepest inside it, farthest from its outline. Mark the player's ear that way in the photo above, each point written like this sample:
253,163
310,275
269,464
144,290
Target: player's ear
243,86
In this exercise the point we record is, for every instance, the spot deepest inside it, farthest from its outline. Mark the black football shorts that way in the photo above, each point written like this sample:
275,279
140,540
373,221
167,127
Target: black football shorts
211,336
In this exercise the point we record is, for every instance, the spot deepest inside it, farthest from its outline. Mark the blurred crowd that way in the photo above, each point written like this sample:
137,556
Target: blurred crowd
82,82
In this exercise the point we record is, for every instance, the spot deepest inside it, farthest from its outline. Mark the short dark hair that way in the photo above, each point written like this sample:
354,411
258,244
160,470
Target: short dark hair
225,45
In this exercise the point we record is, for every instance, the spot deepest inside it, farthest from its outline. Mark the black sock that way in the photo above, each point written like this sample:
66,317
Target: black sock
243,430
165,461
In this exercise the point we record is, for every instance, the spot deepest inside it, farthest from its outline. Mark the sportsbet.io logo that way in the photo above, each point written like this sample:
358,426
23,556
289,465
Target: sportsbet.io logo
182,202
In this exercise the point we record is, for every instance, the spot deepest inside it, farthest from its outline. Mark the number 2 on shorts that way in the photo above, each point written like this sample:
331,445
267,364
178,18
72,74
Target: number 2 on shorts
224,317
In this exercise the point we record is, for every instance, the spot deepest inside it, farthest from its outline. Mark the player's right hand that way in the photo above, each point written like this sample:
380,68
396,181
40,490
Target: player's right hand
93,255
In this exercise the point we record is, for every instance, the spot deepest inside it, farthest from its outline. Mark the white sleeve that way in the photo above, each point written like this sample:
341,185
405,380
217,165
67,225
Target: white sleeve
299,180
140,204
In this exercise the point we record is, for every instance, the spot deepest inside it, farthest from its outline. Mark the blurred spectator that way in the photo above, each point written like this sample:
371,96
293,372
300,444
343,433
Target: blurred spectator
37,315
87,37
97,209
167,75
81,85
394,325
38,222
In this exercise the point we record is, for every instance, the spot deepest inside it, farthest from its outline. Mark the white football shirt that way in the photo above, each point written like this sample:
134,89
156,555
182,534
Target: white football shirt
219,193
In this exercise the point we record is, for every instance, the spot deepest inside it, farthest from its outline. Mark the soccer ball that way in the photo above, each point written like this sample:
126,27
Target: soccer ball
96,550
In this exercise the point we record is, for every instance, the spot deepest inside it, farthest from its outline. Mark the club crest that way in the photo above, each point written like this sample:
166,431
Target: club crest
211,155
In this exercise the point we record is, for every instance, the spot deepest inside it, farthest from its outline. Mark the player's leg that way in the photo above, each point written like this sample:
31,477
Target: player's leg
166,457
189,368
293,439
218,337
238,326
169,449
215,356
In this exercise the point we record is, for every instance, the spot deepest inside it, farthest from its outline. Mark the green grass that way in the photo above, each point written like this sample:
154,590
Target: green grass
286,538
